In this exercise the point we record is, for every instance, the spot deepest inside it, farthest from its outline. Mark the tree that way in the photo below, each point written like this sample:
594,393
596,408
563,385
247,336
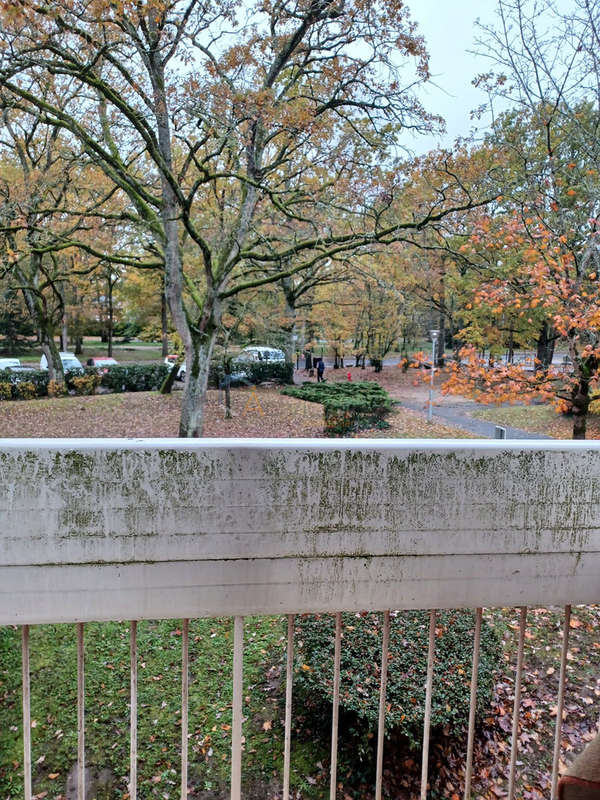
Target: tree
230,134
540,253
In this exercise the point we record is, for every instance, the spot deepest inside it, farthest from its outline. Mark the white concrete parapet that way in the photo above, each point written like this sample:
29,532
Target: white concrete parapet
112,529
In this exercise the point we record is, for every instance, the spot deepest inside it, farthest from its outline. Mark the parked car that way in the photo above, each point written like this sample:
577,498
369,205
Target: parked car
102,363
9,363
69,361
170,360
260,353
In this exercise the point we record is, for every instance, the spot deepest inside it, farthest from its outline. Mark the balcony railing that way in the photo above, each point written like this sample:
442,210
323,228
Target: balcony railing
143,529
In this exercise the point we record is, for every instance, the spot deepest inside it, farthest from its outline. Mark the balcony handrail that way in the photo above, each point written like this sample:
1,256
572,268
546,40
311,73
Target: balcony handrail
97,529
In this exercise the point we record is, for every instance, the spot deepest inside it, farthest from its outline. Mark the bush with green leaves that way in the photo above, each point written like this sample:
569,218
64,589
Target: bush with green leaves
407,668
37,377
348,406
252,372
131,378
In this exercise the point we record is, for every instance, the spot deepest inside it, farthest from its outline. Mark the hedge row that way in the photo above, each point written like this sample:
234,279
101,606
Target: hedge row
117,378
347,406
252,372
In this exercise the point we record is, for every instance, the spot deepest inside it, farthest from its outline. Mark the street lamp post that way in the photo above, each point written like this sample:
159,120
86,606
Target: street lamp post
434,336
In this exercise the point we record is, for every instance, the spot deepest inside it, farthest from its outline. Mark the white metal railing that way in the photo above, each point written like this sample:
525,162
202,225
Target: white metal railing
212,528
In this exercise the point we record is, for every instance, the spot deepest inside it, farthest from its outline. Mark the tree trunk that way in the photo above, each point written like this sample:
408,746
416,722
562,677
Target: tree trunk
510,356
227,397
581,395
198,356
289,326
64,336
581,402
164,322
109,327
168,382
441,343
45,329
50,350
545,347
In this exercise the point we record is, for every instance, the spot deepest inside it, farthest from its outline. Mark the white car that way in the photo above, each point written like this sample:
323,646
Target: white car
69,361
260,353
9,363
170,360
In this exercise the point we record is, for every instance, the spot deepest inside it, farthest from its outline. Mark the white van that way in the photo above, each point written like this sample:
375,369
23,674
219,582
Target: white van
69,361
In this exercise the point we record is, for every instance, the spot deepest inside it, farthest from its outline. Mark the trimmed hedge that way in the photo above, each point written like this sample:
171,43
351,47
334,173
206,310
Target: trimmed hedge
253,372
347,406
38,378
131,378
117,378
407,668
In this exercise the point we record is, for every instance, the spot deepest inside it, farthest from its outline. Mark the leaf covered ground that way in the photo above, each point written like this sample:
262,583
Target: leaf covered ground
258,412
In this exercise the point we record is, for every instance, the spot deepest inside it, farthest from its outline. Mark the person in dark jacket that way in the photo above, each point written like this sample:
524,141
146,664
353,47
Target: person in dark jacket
320,370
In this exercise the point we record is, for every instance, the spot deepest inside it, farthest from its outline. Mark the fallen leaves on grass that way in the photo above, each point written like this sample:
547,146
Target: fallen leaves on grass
260,412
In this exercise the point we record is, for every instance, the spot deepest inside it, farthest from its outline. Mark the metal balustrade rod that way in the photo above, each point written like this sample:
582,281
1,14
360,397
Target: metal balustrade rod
517,704
336,705
185,648
428,698
236,723
26,685
473,704
133,710
561,701
80,714
288,707
382,704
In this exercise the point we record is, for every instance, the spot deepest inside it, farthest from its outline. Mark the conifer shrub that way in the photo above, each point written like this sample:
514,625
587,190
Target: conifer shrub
348,406
5,390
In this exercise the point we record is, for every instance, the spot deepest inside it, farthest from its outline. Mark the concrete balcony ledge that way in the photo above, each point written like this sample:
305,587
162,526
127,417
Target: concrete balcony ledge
112,529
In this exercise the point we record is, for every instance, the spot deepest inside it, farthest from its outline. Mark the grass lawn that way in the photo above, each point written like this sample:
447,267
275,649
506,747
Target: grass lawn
53,708
537,419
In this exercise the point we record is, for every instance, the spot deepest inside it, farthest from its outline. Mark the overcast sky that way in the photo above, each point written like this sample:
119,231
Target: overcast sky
449,30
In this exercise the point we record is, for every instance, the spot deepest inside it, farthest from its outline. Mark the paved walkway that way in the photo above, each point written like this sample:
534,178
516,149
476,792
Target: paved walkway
454,414
459,417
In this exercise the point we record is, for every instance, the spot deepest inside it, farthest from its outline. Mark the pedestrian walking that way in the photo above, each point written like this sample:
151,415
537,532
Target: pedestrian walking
320,370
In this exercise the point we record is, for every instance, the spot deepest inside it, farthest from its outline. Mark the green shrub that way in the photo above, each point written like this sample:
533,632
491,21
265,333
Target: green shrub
347,406
26,390
38,377
131,378
5,390
407,668
253,372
